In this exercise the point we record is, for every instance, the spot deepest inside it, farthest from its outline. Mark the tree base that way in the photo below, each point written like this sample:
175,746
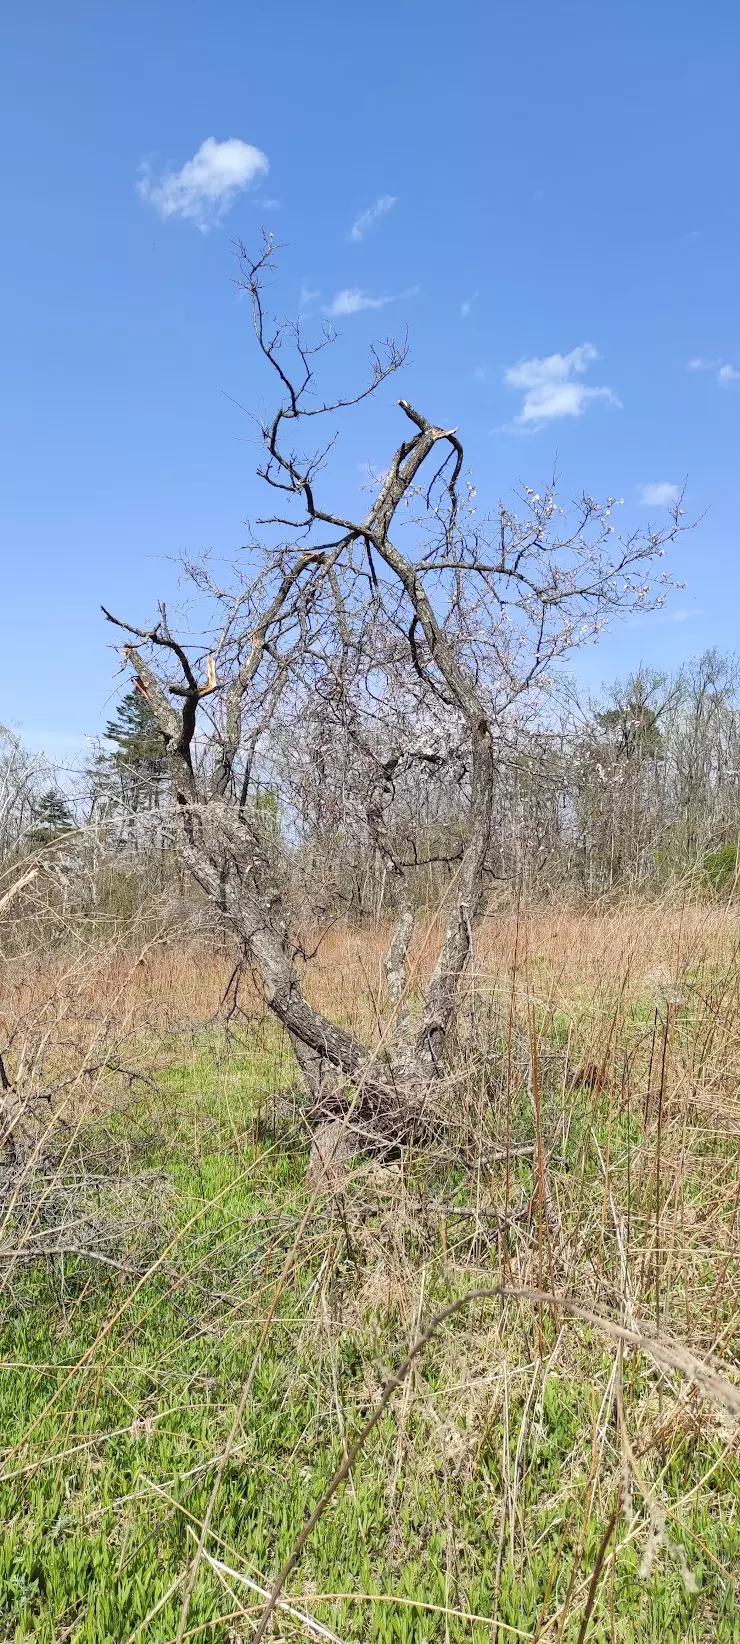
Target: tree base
334,1146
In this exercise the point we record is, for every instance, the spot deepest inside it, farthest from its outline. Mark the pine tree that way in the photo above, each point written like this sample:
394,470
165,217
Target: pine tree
134,730
52,818
138,759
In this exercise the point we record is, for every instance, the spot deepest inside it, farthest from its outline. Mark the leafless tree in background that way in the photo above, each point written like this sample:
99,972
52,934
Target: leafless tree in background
23,776
405,648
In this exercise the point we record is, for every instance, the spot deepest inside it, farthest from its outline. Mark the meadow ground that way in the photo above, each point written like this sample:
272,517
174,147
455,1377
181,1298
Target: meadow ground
191,1341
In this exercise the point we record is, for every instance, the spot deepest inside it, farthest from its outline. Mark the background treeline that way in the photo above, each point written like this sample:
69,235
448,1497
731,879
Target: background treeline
636,789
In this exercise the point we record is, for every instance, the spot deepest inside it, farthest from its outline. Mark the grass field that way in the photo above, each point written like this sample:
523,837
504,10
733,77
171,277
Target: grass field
191,1342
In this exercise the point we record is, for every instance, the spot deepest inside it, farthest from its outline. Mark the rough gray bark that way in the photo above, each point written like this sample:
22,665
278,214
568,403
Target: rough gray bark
397,986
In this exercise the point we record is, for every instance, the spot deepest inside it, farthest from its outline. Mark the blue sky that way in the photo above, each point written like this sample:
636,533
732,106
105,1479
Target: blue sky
564,183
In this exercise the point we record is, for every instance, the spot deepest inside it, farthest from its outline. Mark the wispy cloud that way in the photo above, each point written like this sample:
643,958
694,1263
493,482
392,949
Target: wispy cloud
367,219
552,388
685,613
467,305
306,297
659,495
206,186
721,369
352,301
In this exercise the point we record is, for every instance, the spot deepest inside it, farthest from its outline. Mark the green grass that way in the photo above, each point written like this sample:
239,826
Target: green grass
116,1396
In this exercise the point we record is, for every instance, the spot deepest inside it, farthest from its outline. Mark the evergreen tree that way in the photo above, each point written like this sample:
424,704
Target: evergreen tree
134,730
137,759
52,818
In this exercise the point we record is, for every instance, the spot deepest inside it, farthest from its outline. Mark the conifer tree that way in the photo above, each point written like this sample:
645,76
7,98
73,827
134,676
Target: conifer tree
137,760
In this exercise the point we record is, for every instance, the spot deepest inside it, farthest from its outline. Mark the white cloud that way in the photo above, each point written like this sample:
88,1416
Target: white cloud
684,613
466,306
368,218
659,495
206,186
353,301
551,387
306,297
724,372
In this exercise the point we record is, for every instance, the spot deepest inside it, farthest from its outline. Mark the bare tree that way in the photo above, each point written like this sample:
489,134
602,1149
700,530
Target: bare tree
407,644
23,776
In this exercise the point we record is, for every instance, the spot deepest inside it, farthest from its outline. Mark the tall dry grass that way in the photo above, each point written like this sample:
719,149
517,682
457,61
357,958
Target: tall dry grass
592,1162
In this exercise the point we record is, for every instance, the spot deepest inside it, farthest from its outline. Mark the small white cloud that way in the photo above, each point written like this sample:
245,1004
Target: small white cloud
551,387
683,614
467,305
480,372
306,297
368,218
659,495
353,301
724,372
206,186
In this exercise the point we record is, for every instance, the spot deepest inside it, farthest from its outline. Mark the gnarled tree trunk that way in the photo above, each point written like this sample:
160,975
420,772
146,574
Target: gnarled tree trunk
412,662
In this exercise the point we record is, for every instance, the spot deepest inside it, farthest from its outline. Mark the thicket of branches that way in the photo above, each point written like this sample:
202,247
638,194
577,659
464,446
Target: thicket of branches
632,789
360,661
383,704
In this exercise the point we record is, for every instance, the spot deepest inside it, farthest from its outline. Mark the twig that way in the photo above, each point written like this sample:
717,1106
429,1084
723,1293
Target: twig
714,1385
298,1615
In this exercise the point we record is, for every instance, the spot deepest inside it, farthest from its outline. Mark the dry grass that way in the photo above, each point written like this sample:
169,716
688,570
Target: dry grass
562,953
532,1475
